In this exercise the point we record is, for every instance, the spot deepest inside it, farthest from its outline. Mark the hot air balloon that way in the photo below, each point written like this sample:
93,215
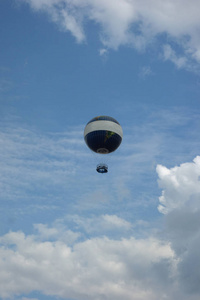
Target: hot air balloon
103,135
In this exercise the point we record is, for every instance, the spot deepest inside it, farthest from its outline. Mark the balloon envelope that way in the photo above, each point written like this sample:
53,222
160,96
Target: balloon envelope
103,134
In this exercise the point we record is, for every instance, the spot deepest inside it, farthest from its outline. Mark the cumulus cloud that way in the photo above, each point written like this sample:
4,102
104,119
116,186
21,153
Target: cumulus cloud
132,22
180,201
98,268
101,267
181,186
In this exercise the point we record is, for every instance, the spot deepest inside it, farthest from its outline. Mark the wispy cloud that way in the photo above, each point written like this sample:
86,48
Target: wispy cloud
145,72
103,51
30,160
133,23
170,54
5,85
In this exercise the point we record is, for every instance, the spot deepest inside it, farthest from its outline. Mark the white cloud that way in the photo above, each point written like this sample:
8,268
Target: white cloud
101,267
180,201
170,54
132,22
181,186
98,268
70,23
98,225
145,72
60,13
103,52
57,232
116,222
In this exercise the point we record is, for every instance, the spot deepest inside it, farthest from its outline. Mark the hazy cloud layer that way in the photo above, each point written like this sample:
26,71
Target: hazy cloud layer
30,160
134,23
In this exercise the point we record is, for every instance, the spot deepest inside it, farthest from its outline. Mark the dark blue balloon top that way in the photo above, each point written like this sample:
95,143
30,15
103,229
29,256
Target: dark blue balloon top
105,118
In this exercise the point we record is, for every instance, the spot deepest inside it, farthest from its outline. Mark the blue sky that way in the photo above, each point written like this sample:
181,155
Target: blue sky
67,232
